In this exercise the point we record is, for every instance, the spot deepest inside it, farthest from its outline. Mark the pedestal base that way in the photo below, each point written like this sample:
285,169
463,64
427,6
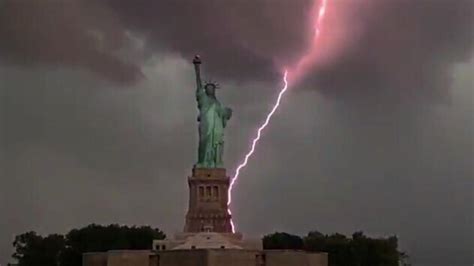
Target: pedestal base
208,210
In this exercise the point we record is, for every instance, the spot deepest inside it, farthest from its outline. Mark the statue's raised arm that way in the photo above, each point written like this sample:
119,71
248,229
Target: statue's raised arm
197,68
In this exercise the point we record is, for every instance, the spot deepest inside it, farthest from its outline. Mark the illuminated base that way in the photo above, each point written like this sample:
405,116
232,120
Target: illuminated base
207,240
208,211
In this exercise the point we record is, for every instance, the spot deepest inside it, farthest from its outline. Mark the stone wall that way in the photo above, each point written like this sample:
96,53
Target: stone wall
95,259
232,257
318,259
206,257
182,258
129,258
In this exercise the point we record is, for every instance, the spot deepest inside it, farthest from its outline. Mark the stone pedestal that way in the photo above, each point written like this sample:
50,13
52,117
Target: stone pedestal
207,239
208,211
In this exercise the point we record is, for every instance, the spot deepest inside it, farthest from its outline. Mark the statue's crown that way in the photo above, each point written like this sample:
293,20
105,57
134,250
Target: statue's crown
212,83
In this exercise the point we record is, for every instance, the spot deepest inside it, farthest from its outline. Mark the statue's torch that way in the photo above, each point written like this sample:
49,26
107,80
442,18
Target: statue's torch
197,62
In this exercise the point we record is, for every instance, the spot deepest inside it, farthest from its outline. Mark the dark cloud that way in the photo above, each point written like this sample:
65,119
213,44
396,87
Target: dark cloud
395,49
241,40
404,53
68,33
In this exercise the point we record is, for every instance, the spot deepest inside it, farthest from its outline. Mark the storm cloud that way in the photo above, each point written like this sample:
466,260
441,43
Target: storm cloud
398,49
405,53
69,33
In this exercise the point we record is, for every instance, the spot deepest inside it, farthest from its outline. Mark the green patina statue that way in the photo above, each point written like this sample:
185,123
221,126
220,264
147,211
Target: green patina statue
212,120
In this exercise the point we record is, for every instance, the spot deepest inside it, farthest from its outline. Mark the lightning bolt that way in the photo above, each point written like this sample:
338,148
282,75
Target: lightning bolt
302,63
254,145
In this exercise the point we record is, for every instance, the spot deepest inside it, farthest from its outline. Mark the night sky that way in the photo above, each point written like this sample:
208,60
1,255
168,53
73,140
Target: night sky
98,116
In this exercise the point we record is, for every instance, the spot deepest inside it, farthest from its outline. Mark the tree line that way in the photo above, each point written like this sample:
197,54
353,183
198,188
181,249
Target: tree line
66,250
357,250
32,249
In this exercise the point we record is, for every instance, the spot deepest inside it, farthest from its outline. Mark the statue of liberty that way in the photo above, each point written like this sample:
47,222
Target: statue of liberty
212,120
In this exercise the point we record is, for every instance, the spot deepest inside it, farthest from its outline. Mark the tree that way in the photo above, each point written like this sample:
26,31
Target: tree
33,249
282,241
404,259
359,250
315,241
97,238
53,250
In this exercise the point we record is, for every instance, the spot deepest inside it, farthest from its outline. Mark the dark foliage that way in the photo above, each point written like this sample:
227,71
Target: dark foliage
53,250
359,250
33,249
282,241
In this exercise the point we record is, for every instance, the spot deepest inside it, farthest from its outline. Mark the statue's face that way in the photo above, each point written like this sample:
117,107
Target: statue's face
210,90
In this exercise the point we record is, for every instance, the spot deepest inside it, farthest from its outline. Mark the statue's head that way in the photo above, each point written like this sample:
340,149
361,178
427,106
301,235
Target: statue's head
210,88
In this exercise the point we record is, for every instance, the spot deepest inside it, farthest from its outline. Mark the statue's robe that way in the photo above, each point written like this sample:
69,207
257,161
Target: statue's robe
212,121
